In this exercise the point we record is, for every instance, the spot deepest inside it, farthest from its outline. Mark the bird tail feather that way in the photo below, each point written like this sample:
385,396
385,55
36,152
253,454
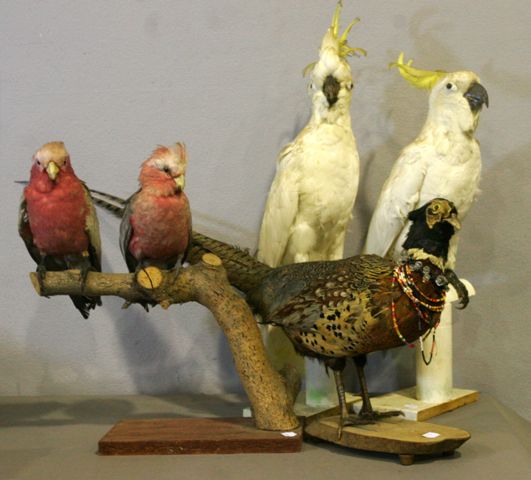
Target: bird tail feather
243,270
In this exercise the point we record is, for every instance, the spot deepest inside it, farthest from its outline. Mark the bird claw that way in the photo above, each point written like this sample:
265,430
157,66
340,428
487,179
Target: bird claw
374,416
460,288
351,420
41,273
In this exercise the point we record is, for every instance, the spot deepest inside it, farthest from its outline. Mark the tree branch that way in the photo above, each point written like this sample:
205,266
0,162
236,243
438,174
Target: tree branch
206,283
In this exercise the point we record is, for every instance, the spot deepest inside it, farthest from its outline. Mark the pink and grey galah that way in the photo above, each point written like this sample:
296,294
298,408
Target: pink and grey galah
157,224
57,220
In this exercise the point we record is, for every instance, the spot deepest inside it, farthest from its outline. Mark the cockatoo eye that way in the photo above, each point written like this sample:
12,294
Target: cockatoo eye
451,86
166,169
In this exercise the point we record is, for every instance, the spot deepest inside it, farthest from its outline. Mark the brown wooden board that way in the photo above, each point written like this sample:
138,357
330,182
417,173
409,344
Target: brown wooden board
392,435
195,436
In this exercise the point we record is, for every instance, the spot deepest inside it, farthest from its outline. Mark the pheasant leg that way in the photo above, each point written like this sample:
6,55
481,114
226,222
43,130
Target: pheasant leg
367,411
344,418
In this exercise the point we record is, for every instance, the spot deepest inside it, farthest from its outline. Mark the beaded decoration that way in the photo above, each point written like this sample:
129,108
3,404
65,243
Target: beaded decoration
402,276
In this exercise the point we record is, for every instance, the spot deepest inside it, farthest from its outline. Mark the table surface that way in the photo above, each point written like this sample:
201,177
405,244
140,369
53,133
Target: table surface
56,438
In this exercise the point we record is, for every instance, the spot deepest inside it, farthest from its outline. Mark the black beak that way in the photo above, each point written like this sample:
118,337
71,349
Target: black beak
331,90
477,96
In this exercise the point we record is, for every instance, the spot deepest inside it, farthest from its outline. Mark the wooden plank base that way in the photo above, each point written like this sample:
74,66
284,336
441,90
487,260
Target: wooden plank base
195,436
391,435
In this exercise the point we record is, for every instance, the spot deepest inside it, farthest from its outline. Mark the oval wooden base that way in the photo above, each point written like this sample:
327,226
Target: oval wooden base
405,438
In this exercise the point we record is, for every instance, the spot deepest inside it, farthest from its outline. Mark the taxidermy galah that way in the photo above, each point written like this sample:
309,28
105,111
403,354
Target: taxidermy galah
156,224
57,220
312,195
443,161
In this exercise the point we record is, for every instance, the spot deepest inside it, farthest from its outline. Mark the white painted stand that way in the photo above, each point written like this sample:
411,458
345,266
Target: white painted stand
435,381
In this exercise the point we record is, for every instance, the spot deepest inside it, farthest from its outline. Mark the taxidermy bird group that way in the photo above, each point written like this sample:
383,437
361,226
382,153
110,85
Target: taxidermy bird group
330,308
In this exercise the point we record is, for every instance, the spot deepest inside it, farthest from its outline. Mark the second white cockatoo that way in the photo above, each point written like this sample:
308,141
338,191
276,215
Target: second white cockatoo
314,189
443,161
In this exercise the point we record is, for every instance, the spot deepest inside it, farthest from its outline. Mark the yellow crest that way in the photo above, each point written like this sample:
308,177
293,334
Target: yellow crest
343,48
424,79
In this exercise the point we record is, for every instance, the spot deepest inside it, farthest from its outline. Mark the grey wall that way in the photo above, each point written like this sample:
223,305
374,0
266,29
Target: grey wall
114,79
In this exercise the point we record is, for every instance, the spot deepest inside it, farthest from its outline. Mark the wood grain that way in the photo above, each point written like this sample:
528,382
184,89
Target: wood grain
183,436
270,394
392,435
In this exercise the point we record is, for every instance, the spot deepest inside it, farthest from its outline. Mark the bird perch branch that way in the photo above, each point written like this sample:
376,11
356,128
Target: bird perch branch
206,283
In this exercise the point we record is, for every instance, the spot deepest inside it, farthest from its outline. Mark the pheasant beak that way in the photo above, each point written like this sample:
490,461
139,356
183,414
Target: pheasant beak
179,181
52,170
454,221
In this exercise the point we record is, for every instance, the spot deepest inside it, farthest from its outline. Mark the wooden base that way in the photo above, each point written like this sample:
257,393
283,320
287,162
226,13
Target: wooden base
405,438
413,409
195,436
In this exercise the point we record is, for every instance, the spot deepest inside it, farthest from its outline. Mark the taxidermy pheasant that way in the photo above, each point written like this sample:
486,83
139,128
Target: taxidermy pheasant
335,310
57,220
443,161
313,192
156,222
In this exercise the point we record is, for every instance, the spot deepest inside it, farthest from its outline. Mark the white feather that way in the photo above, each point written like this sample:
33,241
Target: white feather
312,195
444,161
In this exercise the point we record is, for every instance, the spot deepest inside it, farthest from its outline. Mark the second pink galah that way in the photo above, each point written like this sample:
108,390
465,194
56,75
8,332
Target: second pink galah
156,225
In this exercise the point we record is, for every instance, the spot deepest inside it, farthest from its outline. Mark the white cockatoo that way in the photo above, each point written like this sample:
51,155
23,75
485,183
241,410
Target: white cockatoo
316,182
443,161
314,189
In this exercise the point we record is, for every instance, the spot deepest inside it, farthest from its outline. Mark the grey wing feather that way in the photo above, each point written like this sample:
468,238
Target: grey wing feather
24,231
126,232
93,231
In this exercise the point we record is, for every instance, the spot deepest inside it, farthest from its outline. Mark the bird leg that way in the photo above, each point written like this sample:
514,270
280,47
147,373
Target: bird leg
41,271
367,413
459,286
344,417
81,263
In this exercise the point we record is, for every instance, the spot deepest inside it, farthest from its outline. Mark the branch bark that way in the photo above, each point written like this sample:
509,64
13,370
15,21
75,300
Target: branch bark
270,396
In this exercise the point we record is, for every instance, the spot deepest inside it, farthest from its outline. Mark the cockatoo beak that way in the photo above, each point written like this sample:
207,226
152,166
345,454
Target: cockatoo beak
52,170
331,90
476,96
180,182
